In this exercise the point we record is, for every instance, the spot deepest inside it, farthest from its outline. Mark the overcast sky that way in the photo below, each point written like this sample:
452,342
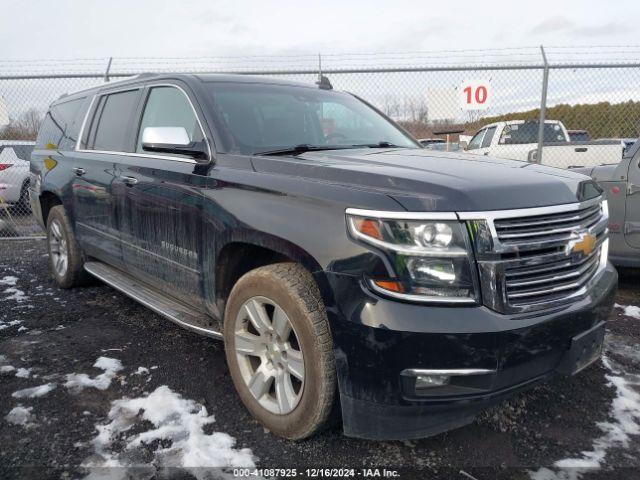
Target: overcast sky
41,29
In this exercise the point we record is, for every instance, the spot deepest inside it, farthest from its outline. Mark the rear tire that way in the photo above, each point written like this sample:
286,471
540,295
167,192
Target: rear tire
288,380
65,257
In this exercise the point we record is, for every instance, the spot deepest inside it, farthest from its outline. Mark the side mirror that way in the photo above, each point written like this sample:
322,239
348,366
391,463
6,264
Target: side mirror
172,140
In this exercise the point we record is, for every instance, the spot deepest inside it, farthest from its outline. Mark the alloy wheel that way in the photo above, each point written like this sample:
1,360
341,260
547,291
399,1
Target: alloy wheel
58,248
269,355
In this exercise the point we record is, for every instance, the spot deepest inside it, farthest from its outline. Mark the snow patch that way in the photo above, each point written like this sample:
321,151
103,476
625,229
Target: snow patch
9,281
7,369
20,415
23,372
76,382
15,294
625,413
141,371
175,419
629,310
34,392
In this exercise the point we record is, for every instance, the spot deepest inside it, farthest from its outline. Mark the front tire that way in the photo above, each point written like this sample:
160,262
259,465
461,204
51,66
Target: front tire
65,257
280,351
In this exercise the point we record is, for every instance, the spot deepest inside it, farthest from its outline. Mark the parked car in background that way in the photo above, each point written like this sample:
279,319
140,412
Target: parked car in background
425,142
14,173
518,140
625,142
621,186
444,147
345,267
578,135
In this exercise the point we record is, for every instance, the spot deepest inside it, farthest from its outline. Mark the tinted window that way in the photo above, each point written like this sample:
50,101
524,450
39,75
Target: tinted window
254,118
486,141
527,132
476,140
579,136
23,152
169,107
111,124
59,129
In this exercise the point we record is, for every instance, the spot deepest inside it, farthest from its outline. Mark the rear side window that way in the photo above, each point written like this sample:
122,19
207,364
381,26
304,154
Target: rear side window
111,125
23,152
486,141
60,127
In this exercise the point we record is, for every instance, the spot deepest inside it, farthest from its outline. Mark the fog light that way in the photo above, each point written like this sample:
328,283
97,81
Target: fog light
428,381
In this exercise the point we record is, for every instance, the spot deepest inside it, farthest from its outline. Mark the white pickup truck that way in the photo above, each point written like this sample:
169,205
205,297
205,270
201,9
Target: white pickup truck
518,140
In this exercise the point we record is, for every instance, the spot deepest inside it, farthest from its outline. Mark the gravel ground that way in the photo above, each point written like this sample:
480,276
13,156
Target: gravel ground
47,333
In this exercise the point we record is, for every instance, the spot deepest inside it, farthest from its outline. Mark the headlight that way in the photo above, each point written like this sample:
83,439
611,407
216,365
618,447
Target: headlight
431,258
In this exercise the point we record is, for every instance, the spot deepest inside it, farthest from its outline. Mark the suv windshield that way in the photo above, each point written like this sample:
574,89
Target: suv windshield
258,118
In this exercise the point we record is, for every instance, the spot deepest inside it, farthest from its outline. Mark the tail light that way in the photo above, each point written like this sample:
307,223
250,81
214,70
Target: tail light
4,166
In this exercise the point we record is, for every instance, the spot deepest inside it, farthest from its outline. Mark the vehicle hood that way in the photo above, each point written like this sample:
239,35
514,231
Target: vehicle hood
426,180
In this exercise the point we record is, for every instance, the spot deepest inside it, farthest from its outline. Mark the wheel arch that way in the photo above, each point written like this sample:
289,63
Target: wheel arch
245,251
48,200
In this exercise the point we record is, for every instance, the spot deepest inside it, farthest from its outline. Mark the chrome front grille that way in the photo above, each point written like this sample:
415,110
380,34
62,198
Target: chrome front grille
546,228
539,258
549,281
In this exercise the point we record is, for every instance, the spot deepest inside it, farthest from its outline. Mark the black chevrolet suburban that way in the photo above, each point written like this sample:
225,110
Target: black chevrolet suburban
350,272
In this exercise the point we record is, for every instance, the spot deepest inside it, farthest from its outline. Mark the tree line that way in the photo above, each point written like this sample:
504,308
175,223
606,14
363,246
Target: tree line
601,120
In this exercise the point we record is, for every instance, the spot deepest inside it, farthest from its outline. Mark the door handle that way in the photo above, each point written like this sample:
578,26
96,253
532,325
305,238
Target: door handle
631,189
580,149
79,171
129,181
486,153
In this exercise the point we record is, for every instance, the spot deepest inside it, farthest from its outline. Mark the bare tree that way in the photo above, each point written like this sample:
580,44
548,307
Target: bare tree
25,127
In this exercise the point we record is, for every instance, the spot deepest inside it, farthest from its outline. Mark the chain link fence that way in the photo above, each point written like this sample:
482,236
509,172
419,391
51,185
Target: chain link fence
558,107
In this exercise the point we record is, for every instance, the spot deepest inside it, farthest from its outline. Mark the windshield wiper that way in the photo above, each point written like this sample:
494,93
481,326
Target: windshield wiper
302,148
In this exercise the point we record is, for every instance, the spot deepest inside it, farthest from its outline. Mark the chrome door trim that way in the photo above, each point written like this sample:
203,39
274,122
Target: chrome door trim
135,154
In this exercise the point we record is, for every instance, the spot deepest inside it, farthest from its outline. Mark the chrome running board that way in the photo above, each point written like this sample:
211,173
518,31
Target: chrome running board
173,310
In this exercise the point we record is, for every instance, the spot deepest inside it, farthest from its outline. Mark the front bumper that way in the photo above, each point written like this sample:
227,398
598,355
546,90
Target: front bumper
376,339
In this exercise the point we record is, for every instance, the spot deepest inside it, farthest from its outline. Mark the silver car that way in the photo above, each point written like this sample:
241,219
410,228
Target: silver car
14,173
621,185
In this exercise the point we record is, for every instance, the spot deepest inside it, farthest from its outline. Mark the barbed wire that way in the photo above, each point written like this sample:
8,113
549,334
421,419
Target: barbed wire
471,58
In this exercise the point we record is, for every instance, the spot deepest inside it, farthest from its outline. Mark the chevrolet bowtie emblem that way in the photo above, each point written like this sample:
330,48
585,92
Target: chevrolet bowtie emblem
585,244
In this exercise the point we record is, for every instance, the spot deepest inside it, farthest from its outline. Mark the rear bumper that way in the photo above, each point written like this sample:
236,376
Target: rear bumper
377,339
9,192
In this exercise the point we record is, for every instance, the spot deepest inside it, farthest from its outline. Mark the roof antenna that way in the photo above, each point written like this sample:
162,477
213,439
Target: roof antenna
106,73
323,82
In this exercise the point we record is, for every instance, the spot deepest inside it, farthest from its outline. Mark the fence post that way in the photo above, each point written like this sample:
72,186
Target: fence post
543,104
106,73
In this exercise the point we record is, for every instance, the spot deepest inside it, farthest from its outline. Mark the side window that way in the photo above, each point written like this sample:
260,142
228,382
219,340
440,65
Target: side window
7,155
476,140
110,127
59,129
169,107
486,141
